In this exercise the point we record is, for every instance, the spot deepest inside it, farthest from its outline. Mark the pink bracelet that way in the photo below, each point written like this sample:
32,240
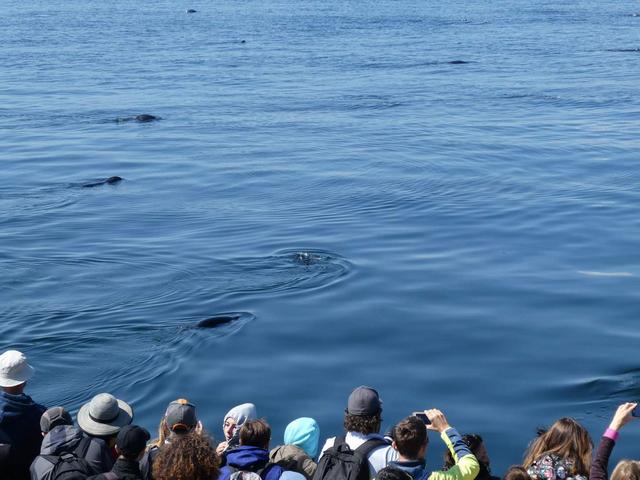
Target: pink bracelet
611,433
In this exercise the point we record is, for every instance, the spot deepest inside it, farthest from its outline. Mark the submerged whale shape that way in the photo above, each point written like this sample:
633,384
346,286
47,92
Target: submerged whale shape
145,117
191,10
142,118
107,181
216,321
457,62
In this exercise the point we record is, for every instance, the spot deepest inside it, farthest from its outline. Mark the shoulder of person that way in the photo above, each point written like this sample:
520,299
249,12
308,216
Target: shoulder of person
291,475
329,442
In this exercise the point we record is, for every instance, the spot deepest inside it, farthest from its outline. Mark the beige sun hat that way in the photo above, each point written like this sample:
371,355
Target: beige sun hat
104,415
14,369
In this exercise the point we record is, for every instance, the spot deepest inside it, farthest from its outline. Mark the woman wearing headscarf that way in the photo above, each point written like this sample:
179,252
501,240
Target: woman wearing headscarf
233,420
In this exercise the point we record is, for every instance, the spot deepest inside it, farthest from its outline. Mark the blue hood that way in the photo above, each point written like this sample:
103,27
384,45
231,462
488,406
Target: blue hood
20,421
245,457
415,469
304,433
16,406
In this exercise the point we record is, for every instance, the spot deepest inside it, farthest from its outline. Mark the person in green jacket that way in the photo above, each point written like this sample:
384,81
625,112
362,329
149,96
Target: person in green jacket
411,442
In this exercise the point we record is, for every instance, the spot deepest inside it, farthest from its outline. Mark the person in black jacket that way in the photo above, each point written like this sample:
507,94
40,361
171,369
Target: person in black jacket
130,445
19,414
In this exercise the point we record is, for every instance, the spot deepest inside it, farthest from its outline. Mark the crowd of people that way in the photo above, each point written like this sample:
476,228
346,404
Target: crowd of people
44,444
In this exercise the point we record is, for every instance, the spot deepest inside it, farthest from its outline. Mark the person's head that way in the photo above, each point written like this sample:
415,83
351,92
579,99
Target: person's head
476,445
410,438
179,418
626,470
53,417
364,411
391,473
516,472
305,433
235,418
255,433
187,457
14,371
131,442
104,416
567,439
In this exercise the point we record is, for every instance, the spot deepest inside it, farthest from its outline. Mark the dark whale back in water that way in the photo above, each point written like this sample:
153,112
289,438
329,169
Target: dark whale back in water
142,118
145,118
457,62
106,181
191,10
216,321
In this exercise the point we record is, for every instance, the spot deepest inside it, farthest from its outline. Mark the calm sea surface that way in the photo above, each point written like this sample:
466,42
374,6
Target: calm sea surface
459,235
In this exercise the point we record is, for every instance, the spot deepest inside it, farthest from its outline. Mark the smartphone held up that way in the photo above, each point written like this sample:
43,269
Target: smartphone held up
422,416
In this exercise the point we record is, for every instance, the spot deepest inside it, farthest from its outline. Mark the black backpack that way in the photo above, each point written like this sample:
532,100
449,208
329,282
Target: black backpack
341,463
71,465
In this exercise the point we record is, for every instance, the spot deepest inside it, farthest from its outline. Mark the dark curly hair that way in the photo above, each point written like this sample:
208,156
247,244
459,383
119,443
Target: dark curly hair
188,457
475,443
364,424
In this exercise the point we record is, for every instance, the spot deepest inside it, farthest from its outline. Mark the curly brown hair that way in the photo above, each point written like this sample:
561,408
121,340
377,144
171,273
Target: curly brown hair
364,424
187,457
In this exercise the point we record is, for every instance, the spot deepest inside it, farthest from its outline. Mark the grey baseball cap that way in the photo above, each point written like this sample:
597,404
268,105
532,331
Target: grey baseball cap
53,417
181,416
364,401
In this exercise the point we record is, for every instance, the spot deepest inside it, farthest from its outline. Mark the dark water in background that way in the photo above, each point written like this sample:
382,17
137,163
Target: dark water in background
473,228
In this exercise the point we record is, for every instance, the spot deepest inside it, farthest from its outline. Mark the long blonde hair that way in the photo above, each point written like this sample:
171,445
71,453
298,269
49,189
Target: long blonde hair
163,433
626,470
568,440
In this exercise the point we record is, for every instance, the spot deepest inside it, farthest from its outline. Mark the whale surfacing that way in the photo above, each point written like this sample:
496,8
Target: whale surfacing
107,181
216,321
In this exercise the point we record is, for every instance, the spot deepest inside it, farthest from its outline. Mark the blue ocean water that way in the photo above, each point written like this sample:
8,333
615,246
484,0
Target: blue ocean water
435,198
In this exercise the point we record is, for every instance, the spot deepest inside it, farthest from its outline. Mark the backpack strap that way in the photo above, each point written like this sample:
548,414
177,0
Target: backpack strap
370,445
53,459
79,452
339,441
362,454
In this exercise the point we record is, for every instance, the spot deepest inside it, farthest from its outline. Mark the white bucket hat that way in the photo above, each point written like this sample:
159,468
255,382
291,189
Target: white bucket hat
104,415
14,369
